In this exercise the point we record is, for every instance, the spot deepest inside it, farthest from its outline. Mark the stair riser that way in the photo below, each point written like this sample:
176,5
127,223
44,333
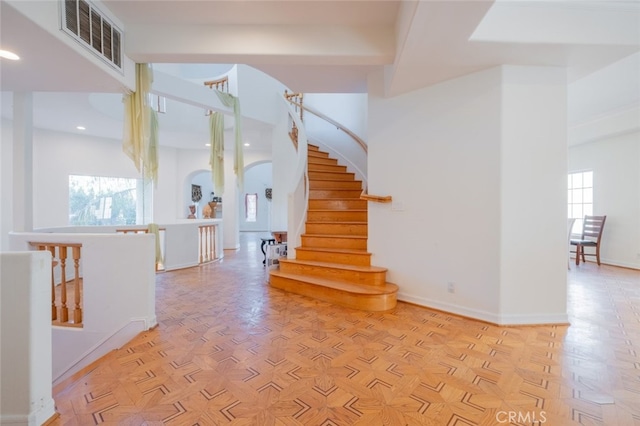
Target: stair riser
374,303
334,242
322,160
337,229
326,168
330,175
317,154
335,184
336,216
341,258
328,204
335,193
357,277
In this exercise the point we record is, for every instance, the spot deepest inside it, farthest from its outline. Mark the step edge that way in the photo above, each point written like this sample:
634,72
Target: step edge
387,288
341,266
348,236
335,250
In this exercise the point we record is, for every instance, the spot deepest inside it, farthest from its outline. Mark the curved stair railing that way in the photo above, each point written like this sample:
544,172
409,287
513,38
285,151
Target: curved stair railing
295,99
300,180
328,257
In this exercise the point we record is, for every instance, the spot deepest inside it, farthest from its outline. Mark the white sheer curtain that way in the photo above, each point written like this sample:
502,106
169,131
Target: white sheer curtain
216,156
140,139
238,157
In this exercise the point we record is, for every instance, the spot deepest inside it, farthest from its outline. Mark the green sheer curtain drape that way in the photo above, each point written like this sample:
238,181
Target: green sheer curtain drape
231,101
140,138
153,228
216,156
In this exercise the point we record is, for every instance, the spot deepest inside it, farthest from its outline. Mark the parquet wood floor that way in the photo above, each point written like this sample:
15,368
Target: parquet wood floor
231,350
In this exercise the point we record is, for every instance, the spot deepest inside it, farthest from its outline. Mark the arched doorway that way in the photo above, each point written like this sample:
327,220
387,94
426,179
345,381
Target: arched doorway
255,207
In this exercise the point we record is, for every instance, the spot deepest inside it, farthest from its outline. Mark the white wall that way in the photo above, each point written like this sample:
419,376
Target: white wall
284,161
256,179
455,157
615,162
118,302
436,152
612,88
349,109
258,92
25,353
165,193
6,180
606,102
533,168
47,16
203,179
57,155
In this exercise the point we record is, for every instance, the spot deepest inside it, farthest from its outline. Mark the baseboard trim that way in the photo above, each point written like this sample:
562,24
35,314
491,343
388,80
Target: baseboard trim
484,316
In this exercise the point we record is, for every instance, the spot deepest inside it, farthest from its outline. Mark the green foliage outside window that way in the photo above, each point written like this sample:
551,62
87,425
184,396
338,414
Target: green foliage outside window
95,200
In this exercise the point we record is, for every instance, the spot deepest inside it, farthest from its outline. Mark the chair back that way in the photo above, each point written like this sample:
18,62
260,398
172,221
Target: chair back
570,222
592,227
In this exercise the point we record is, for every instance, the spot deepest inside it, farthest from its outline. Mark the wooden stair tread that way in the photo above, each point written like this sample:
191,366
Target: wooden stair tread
336,198
333,210
334,250
325,179
339,222
355,237
339,285
343,266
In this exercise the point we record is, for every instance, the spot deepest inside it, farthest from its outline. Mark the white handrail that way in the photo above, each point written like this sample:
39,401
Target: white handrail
299,174
339,126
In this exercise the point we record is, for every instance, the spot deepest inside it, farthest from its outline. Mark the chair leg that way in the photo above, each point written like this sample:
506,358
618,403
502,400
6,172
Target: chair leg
583,259
598,254
578,247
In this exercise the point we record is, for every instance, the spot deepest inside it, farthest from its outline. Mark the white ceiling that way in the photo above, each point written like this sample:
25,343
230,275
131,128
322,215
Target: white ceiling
309,45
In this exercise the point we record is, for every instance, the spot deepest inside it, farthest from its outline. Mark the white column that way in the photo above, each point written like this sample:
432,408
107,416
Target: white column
230,205
6,180
25,326
22,161
533,194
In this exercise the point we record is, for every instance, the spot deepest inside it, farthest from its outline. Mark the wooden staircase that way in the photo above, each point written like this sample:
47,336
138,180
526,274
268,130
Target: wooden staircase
333,264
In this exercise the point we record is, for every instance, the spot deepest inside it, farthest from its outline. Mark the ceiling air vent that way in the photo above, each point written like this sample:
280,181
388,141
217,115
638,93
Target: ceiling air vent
85,23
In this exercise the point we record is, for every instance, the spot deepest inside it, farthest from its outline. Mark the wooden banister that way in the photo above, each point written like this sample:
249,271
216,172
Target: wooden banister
221,84
59,253
207,240
376,198
318,114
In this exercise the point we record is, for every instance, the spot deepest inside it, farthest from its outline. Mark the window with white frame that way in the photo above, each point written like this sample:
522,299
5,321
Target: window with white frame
580,198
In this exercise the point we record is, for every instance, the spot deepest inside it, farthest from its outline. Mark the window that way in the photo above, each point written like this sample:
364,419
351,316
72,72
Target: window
251,207
95,200
580,197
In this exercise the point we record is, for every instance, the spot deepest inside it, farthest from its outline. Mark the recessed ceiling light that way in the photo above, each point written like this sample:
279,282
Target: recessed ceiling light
9,55
207,144
81,128
247,144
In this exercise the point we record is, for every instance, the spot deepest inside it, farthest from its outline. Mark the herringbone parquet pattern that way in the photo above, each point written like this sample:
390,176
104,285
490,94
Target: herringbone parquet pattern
231,350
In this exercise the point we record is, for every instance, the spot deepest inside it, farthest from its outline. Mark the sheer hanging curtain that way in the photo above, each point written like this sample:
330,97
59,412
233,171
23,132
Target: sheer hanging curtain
216,156
238,158
140,139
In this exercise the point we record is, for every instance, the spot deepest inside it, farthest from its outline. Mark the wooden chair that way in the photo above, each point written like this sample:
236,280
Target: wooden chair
592,227
570,223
